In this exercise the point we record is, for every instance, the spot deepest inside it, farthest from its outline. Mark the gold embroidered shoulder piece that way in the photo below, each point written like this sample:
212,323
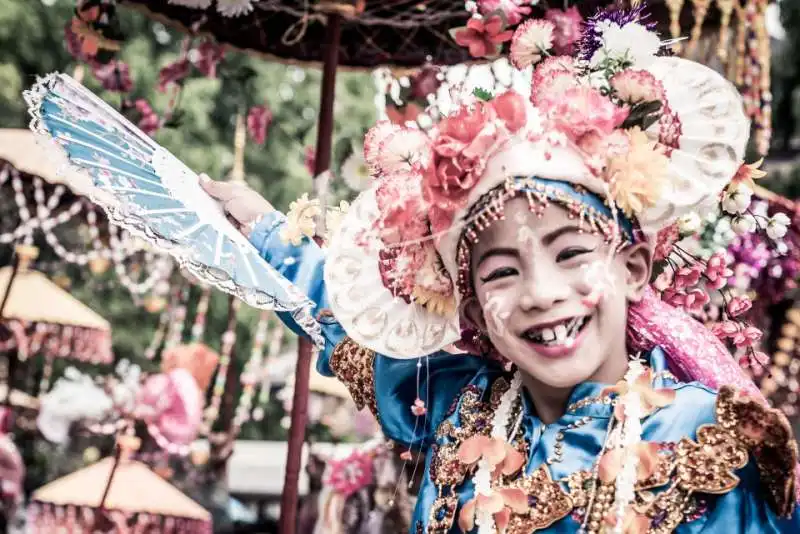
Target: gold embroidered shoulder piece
766,433
354,366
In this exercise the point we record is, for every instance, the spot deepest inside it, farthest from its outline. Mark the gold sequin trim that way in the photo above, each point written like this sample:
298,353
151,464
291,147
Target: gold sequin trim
354,366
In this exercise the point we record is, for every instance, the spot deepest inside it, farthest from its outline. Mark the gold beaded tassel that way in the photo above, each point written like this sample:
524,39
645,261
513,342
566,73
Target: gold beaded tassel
700,10
764,118
675,7
736,68
726,10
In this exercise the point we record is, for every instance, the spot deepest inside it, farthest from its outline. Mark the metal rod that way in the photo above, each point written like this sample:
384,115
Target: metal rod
107,490
297,430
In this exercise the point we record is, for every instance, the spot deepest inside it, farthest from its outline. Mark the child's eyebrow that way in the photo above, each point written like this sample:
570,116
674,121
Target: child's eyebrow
497,251
558,232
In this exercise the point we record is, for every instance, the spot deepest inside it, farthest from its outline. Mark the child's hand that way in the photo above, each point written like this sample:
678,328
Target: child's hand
240,203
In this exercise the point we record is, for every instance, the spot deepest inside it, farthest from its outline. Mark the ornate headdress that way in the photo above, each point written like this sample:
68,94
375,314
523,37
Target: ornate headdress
626,137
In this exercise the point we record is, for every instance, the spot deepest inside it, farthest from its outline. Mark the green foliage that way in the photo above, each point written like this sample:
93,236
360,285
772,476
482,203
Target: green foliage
31,44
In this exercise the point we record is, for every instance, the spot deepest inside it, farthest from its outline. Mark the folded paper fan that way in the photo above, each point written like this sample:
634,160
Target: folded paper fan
148,191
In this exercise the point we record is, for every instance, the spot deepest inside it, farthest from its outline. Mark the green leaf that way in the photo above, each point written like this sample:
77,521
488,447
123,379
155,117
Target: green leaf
483,94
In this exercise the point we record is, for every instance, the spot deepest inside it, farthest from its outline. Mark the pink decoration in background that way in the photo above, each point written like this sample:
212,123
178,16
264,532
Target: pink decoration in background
114,76
148,122
310,159
351,474
172,405
693,351
173,73
258,120
209,54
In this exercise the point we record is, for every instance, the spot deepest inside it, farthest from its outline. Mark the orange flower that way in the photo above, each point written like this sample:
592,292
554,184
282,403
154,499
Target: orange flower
652,399
637,177
747,173
501,503
502,456
611,462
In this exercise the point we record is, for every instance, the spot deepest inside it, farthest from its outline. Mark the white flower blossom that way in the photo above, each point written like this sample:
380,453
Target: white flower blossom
632,41
689,223
778,225
737,200
234,8
743,224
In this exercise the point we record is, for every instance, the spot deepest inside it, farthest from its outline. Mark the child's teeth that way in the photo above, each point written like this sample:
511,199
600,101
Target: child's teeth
548,335
561,332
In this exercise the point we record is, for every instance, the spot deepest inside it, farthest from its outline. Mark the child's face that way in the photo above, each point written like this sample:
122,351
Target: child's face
535,279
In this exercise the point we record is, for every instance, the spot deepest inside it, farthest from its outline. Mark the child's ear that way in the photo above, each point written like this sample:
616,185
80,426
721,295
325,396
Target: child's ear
638,260
472,314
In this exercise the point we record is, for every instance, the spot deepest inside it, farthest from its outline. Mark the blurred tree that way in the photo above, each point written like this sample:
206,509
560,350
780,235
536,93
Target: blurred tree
32,43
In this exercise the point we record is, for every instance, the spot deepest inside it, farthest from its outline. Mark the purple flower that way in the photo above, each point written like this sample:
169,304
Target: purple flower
591,40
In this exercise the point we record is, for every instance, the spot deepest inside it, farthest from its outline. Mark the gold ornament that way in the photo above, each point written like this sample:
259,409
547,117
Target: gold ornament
675,7
700,10
726,10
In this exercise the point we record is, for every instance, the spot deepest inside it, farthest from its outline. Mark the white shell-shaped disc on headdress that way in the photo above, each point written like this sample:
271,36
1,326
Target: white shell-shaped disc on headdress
712,142
366,309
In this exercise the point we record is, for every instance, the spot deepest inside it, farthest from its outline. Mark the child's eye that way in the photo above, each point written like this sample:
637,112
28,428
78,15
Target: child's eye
571,252
499,273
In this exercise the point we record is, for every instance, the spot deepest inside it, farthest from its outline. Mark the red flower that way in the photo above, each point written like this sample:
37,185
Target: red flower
552,77
738,306
173,73
258,121
425,82
483,37
692,300
739,334
568,29
209,56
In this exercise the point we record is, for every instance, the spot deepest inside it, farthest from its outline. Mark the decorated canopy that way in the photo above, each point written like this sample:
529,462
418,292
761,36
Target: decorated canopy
137,499
39,315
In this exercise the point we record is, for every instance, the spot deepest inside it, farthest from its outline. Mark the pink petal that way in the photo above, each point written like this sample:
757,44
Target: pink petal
466,517
502,518
610,464
495,451
513,461
472,449
491,504
515,499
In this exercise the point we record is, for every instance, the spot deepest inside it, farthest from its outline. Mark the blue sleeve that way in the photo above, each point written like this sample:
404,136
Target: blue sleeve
394,383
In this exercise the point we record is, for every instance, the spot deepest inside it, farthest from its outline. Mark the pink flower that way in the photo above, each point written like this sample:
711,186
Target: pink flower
258,121
514,10
552,77
568,28
665,239
717,271
747,336
741,335
693,300
402,209
616,143
688,276
483,37
459,152
310,159
530,42
738,306
209,54
173,73
114,76
582,110
418,409
635,86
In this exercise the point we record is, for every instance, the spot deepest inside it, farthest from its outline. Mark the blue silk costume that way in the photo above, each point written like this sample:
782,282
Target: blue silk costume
457,390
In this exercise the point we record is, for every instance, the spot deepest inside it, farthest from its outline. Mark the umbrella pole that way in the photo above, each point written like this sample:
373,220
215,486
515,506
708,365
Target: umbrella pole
12,355
297,430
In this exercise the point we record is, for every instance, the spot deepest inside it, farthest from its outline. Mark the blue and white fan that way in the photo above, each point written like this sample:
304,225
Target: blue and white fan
151,193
